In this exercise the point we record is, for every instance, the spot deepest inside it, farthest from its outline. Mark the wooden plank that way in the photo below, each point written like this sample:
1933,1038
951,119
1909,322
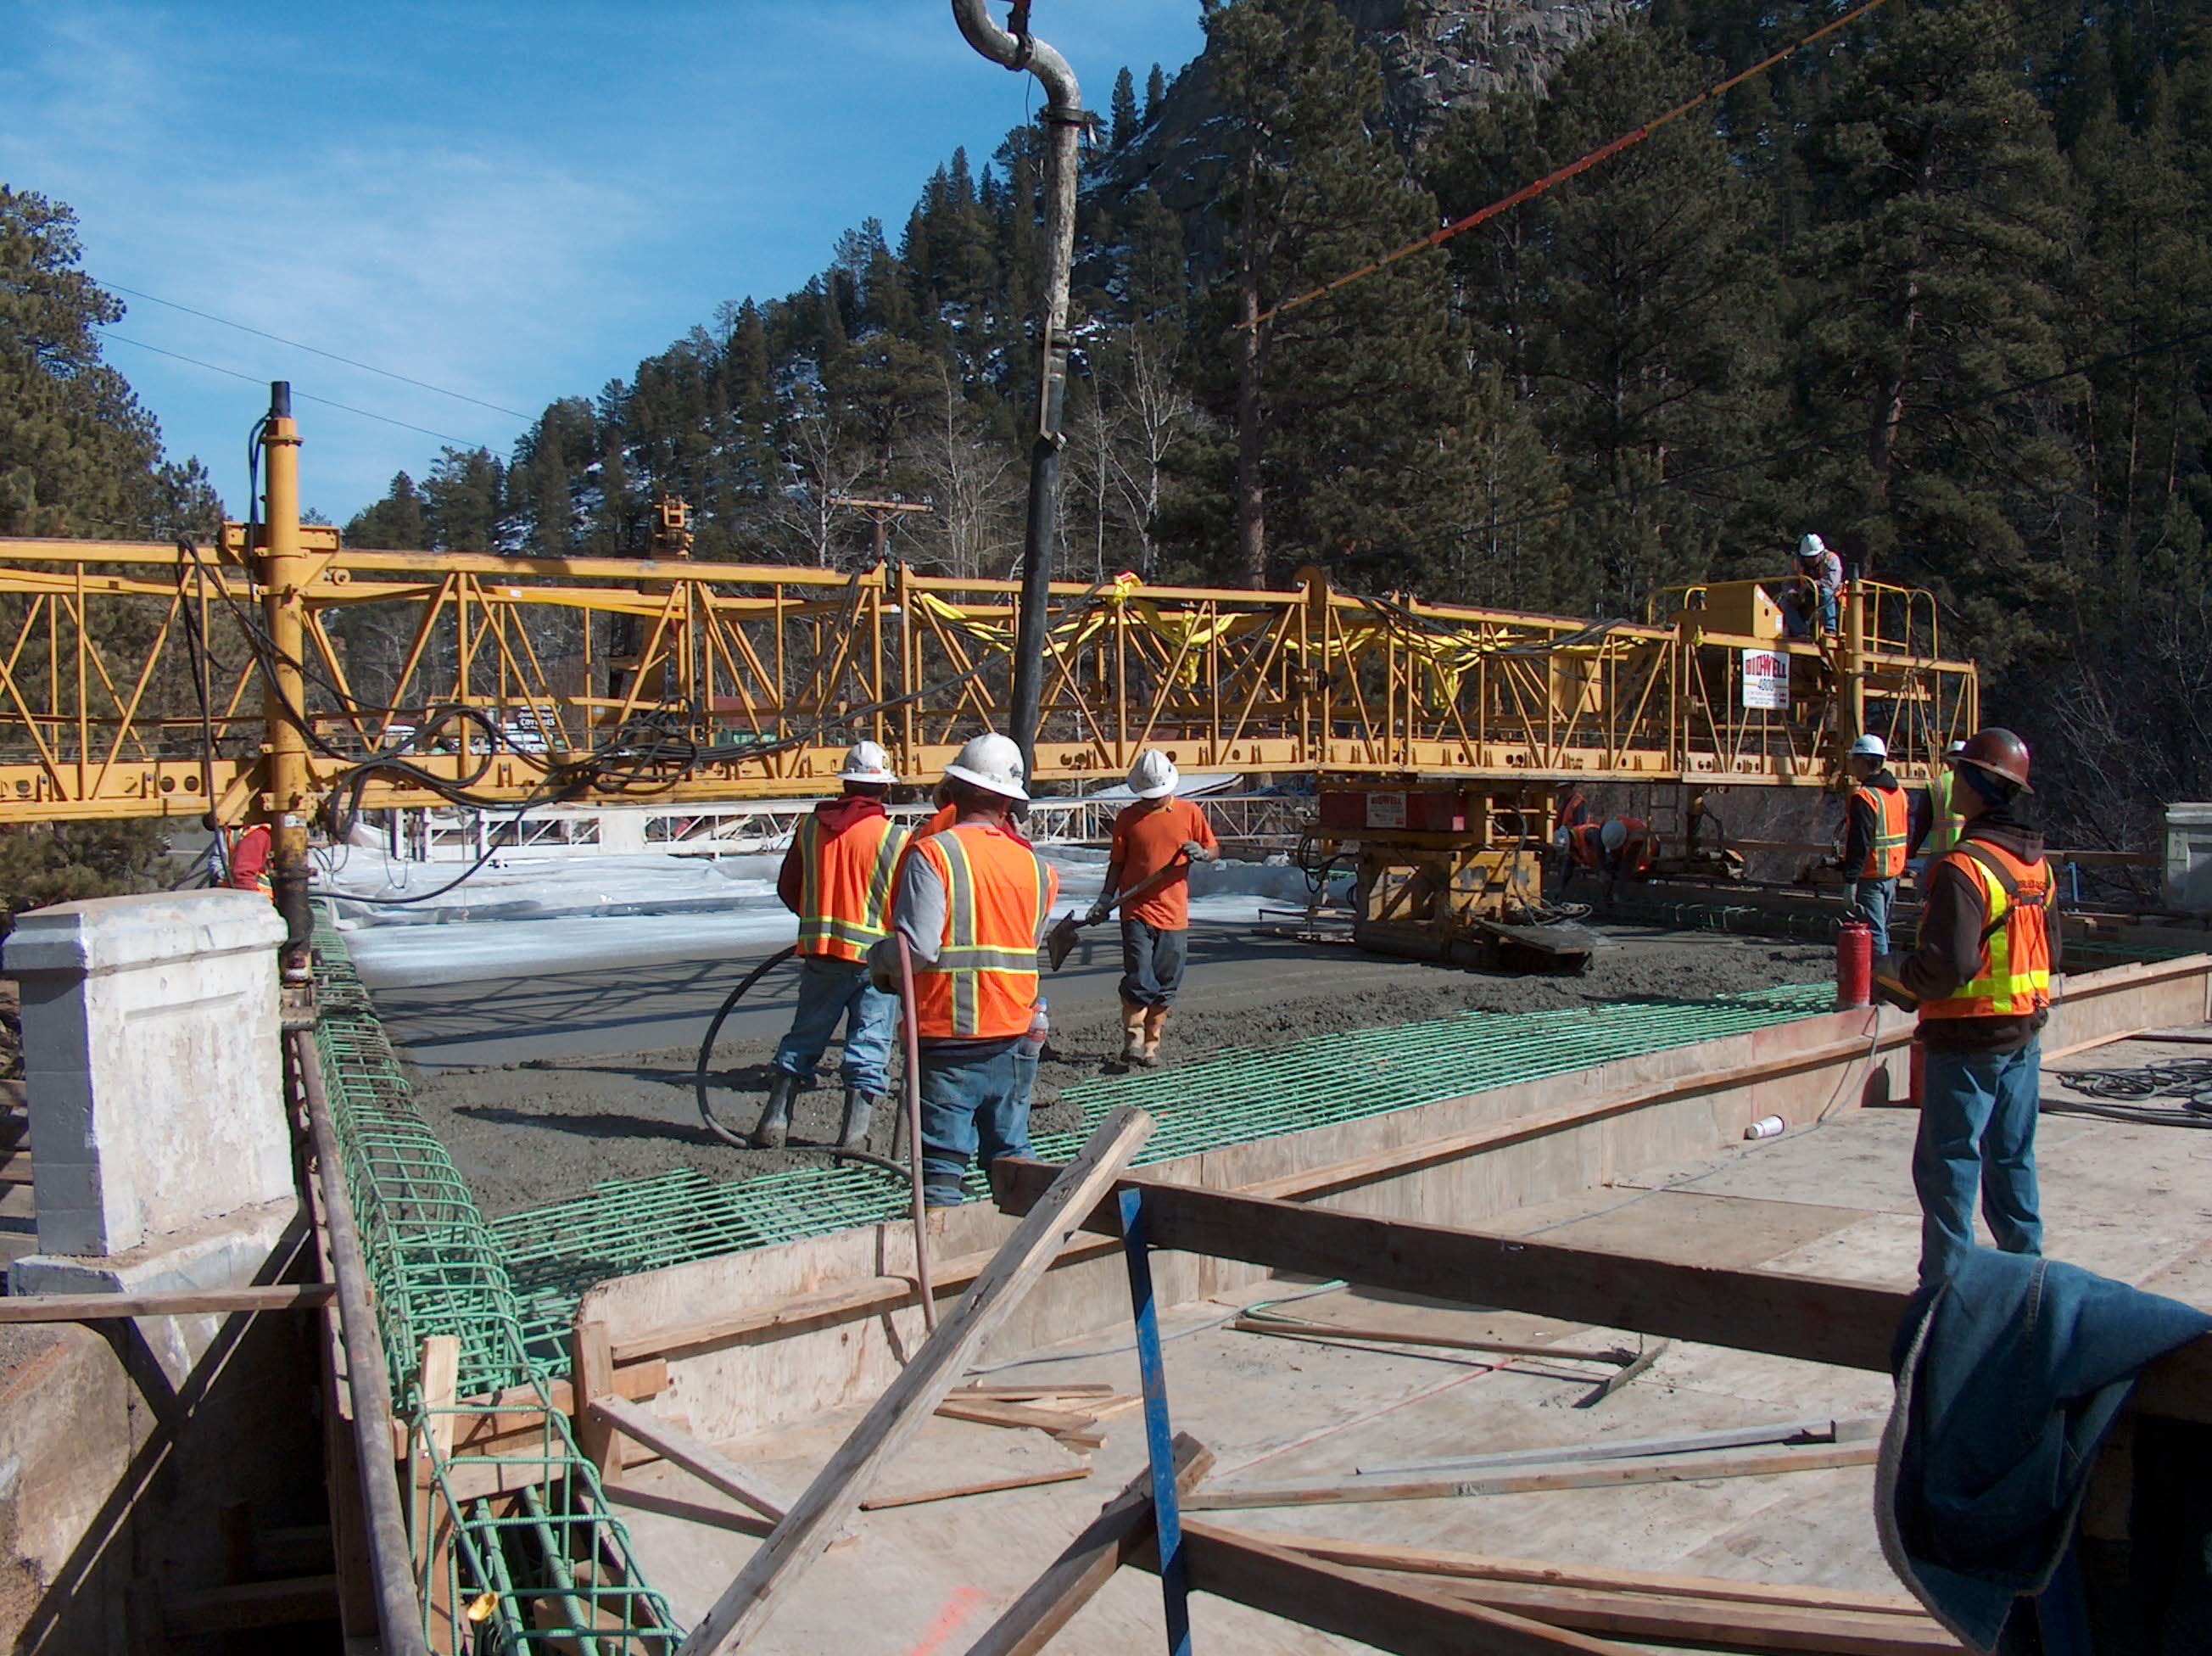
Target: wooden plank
911,1399
440,1379
1541,1480
436,1520
251,1605
1069,1429
1030,1393
691,1511
1812,1318
704,1462
1111,1540
178,1302
981,1487
1702,1622
17,1169
1370,1609
1478,1567
592,1376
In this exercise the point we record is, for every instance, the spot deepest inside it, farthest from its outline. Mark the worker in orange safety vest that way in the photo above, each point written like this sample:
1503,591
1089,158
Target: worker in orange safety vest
1876,833
971,908
1980,977
837,878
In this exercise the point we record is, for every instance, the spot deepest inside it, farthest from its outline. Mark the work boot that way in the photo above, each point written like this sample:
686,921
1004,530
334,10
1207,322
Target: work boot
775,1119
1156,1025
1132,1033
859,1107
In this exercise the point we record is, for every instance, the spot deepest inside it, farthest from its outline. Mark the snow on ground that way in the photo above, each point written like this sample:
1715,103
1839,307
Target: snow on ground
579,913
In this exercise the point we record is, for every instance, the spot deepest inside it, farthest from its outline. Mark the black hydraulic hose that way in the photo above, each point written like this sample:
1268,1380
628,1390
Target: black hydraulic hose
835,1152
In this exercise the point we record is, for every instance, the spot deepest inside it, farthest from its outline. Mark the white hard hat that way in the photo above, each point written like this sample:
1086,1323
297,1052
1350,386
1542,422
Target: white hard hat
1869,746
1955,747
1613,835
867,762
1812,546
1560,839
993,762
1153,775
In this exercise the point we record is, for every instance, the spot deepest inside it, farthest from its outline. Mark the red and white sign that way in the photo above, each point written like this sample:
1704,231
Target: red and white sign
1386,810
1765,680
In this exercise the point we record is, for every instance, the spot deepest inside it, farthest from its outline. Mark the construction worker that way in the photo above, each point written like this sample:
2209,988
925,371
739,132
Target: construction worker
1936,823
1629,850
1582,847
249,862
1158,833
837,878
1816,592
972,903
1876,828
1980,978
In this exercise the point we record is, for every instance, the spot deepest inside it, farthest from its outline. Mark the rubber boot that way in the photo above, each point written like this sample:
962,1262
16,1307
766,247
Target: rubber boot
775,1119
1132,1033
1155,1026
858,1108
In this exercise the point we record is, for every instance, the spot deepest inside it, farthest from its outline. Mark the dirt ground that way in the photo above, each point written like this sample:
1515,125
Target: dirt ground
547,1128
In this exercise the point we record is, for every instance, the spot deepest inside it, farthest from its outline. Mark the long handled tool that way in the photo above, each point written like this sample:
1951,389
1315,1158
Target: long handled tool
1060,941
914,1132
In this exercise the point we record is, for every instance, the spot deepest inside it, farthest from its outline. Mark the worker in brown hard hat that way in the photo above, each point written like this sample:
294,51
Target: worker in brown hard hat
1980,978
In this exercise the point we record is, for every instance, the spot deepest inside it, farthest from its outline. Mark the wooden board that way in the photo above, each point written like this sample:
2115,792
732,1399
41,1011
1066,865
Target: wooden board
911,1399
1478,1567
177,1302
979,1487
703,1461
1119,1532
1367,1609
1540,1480
1707,1622
1816,1319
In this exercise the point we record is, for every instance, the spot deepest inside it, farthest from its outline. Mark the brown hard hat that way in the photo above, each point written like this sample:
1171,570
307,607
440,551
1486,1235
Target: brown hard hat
1998,751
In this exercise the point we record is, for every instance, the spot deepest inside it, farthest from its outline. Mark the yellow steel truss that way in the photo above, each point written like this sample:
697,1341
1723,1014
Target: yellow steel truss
704,681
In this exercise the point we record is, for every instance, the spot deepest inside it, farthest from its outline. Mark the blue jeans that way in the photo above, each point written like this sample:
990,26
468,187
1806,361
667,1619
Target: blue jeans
829,990
974,1095
1977,1114
1870,902
1152,964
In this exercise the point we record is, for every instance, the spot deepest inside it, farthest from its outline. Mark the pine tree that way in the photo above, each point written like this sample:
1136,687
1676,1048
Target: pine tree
1932,286
396,523
1124,109
1156,87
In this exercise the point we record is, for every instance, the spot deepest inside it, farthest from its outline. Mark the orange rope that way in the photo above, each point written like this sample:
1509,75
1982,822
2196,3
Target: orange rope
1528,192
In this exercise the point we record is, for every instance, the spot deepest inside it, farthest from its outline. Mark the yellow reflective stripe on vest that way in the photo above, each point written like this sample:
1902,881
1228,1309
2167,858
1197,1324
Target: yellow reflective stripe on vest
960,957
2009,993
817,928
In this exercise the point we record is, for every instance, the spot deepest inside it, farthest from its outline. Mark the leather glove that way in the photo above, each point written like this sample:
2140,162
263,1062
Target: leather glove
1099,910
1889,982
883,966
1198,853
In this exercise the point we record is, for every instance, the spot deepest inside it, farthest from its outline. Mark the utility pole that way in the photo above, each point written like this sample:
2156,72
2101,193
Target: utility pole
1018,50
880,512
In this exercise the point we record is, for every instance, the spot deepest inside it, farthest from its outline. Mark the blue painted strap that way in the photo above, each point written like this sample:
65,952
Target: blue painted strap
1159,1437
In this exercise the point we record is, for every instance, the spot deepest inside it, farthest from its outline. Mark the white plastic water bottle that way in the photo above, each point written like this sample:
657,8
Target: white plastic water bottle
1764,1127
1040,1027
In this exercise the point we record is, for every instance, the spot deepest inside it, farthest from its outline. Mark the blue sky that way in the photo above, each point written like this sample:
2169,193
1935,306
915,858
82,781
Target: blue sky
514,202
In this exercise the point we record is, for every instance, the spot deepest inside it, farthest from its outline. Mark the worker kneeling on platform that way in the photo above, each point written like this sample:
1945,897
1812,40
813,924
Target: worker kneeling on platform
837,878
1155,839
971,906
1980,978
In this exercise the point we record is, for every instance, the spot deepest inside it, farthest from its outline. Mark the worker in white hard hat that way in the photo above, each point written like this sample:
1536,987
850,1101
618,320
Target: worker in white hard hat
837,878
972,899
1815,591
1876,832
1157,837
1627,850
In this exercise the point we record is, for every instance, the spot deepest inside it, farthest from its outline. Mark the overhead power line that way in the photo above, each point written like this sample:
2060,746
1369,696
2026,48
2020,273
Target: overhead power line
304,396
331,356
1530,192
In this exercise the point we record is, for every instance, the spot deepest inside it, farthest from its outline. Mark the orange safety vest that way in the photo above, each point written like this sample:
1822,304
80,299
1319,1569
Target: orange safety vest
1893,832
1638,850
845,886
2014,978
1585,846
998,894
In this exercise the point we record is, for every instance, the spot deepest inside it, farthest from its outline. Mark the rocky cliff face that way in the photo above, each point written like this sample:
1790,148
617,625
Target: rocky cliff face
1437,55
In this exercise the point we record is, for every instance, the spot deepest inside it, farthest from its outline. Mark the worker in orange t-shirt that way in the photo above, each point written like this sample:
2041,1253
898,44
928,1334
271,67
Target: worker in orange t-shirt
1158,832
